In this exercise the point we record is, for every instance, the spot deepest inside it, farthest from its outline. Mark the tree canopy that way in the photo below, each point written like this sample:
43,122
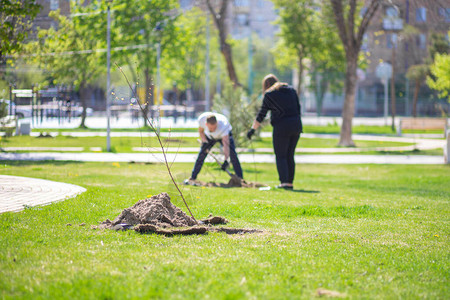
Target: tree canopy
15,17
440,79
73,53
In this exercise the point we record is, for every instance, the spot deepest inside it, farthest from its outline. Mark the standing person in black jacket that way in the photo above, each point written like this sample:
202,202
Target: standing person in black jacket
284,105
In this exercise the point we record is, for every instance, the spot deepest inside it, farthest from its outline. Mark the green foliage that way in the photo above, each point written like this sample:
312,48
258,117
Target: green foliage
417,72
69,53
262,60
441,75
15,17
239,110
308,32
144,23
4,122
186,65
3,109
285,57
438,45
297,29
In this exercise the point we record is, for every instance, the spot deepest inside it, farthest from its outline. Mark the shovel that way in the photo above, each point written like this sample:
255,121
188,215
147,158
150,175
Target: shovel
234,179
218,162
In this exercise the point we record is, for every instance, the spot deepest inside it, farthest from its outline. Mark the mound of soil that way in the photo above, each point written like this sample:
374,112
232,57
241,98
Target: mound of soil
235,181
157,210
158,215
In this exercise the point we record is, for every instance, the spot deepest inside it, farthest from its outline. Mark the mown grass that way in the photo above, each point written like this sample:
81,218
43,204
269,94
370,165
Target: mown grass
365,231
330,128
365,129
125,144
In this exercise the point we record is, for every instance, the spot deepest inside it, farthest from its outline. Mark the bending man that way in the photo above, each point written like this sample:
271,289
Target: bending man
213,128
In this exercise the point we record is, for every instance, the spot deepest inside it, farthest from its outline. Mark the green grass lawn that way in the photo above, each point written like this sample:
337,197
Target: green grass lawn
365,129
330,128
365,231
125,144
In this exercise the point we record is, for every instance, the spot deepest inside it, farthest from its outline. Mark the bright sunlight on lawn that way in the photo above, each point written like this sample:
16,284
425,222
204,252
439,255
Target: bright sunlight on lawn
363,231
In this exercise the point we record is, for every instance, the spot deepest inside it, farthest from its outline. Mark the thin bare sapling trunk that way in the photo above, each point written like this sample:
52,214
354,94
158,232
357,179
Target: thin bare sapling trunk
159,141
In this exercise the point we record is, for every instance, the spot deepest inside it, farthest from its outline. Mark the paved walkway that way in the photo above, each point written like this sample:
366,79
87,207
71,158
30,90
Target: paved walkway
17,193
244,158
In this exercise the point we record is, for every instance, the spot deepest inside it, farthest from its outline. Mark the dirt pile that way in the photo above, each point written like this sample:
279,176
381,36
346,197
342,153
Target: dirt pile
157,211
235,181
158,215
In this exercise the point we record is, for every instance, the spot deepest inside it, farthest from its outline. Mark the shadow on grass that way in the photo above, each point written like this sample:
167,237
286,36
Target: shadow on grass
38,162
304,191
253,171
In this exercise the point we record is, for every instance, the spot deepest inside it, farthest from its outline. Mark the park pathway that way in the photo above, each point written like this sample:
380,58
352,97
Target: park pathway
17,193
157,157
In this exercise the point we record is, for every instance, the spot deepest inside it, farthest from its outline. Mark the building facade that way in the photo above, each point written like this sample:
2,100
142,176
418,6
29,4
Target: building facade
406,26
43,20
400,35
244,16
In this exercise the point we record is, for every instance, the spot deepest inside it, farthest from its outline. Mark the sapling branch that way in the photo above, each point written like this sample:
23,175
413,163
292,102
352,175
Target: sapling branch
166,163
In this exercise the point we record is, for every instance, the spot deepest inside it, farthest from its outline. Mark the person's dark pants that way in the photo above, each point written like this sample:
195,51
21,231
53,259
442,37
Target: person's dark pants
285,137
204,152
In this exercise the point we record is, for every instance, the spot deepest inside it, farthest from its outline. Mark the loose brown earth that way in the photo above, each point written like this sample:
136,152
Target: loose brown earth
158,215
235,181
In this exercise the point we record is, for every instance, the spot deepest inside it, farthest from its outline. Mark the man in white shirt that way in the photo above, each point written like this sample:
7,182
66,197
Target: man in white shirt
213,128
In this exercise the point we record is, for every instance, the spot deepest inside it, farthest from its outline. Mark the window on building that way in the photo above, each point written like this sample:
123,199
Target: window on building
261,3
422,41
241,3
363,11
54,4
242,19
391,40
421,14
391,12
365,42
185,4
444,13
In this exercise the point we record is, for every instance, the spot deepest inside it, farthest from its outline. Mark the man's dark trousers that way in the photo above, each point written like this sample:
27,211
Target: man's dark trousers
204,152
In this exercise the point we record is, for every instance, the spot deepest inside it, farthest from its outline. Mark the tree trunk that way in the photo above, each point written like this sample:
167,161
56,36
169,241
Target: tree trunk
351,39
83,99
416,95
226,52
300,73
393,99
349,102
149,90
219,19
